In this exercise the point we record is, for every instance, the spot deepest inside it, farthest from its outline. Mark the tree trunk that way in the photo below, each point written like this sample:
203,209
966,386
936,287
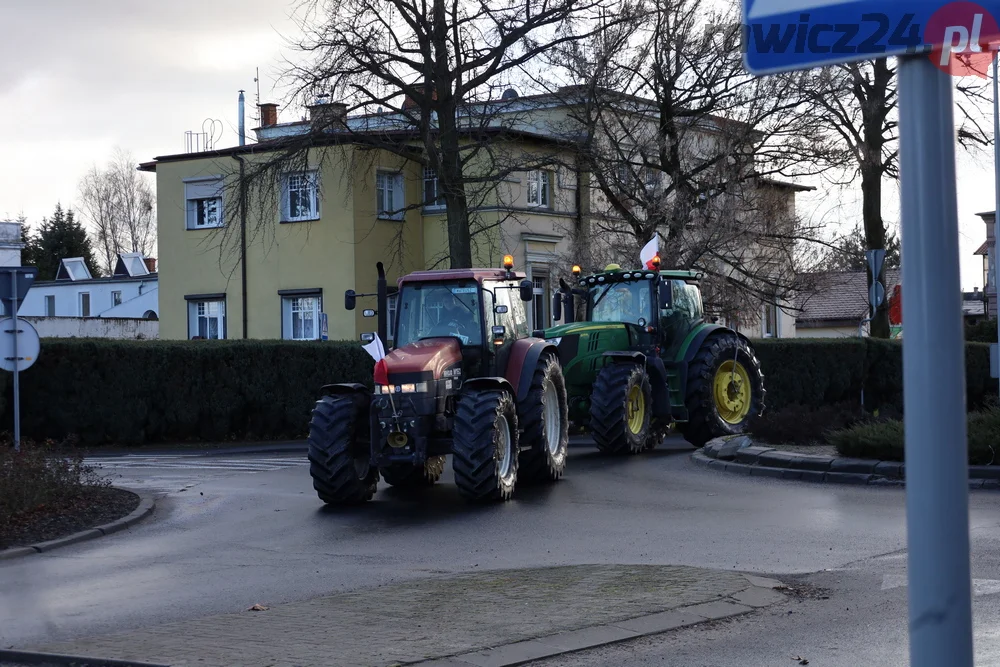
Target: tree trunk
871,192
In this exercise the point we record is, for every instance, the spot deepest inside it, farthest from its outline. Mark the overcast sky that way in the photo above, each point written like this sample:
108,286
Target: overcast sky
79,78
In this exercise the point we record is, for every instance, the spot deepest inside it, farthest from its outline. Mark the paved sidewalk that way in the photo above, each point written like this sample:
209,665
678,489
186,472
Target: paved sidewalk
446,616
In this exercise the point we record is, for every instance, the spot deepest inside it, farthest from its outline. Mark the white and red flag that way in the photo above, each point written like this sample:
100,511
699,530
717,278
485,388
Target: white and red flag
649,251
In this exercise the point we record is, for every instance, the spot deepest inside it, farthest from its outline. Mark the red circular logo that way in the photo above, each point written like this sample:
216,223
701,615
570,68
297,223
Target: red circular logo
962,31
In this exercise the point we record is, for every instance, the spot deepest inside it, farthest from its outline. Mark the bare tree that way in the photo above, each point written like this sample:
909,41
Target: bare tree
422,79
678,140
856,104
119,204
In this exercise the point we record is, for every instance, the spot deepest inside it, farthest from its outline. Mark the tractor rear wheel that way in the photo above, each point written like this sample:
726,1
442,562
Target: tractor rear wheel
485,445
544,419
339,450
620,404
407,476
725,390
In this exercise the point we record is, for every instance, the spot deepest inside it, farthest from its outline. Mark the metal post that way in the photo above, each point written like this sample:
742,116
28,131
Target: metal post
937,492
996,181
17,387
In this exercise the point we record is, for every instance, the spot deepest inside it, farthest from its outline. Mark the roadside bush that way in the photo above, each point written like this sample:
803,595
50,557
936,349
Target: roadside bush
132,392
884,440
823,371
798,424
38,476
984,331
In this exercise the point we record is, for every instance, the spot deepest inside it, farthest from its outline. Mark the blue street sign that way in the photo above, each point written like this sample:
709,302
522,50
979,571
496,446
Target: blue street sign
783,35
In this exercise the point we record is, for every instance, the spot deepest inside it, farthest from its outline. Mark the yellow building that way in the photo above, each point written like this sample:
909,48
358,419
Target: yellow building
325,228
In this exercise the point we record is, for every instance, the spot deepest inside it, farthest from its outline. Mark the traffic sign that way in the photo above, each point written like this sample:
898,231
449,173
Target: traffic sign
876,293
783,35
28,344
25,277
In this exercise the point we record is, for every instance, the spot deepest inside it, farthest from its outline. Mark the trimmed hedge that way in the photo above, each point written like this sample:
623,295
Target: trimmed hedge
823,371
134,392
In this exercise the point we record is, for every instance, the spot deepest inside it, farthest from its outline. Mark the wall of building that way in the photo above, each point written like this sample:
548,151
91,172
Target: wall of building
94,327
138,297
827,332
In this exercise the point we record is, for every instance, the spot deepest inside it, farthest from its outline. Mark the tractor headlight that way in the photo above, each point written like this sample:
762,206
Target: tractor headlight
412,388
555,341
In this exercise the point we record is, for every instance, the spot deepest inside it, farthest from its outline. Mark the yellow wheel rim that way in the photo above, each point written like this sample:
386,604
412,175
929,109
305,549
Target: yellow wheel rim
732,392
635,409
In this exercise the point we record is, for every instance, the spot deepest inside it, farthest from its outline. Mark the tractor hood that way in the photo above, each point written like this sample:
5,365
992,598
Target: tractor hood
582,344
431,355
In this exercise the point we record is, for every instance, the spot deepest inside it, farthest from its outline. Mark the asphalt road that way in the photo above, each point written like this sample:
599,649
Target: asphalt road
232,531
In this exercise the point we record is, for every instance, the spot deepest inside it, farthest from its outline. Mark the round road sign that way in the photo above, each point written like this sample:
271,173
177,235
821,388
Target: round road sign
28,344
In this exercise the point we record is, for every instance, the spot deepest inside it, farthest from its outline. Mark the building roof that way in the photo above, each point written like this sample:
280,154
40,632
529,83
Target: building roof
970,307
838,295
981,250
73,268
92,281
787,185
131,264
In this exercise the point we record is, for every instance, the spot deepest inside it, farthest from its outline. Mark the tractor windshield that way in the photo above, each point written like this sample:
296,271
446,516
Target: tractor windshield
621,302
433,310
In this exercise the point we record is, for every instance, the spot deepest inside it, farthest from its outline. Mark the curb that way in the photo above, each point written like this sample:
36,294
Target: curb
738,455
277,447
146,506
761,593
35,658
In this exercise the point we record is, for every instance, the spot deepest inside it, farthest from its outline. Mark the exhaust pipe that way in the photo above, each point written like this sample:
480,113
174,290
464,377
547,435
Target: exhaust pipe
382,305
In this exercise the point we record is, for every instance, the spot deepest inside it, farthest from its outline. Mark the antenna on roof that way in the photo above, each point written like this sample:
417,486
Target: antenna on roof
256,80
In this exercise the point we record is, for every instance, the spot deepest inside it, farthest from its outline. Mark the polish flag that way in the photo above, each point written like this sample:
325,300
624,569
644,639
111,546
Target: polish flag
375,349
649,251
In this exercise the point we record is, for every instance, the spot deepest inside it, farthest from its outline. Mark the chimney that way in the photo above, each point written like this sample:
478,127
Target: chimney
409,103
150,264
268,114
328,115
241,119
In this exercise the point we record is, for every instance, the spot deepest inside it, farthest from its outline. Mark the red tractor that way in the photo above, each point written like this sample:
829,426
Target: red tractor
463,379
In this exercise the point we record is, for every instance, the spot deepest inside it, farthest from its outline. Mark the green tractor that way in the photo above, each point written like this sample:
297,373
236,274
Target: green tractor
645,359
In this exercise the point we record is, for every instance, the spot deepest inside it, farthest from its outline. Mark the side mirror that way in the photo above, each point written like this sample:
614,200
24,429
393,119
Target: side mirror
557,299
666,296
500,310
367,337
368,312
350,301
527,290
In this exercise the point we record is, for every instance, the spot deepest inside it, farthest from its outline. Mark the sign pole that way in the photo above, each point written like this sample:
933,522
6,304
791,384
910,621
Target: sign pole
937,491
17,388
996,181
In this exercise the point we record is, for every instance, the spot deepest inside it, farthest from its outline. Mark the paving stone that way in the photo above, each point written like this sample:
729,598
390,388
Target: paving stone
758,597
717,609
844,464
776,458
848,477
507,655
813,475
70,539
667,620
711,449
738,468
588,637
765,471
891,469
762,582
991,483
16,552
976,483
750,454
728,451
791,474
812,462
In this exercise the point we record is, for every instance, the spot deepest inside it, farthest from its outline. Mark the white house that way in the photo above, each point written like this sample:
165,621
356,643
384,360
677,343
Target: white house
131,293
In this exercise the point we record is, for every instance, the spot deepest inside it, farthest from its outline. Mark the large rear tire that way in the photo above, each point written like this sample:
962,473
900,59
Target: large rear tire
485,445
725,389
620,406
414,477
544,417
339,450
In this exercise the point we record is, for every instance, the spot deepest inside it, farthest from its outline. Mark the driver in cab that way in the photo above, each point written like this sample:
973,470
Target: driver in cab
453,318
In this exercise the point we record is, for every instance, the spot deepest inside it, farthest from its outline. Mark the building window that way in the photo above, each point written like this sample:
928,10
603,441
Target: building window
652,178
540,304
50,305
204,203
300,196
116,298
770,321
432,190
539,187
389,195
301,317
84,304
207,319
622,173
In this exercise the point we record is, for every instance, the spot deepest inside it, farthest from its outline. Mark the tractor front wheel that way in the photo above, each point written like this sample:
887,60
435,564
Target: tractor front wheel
544,417
620,405
485,445
725,390
339,450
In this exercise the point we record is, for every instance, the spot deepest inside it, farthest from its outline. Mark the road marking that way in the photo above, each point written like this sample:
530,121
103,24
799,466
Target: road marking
193,462
979,586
